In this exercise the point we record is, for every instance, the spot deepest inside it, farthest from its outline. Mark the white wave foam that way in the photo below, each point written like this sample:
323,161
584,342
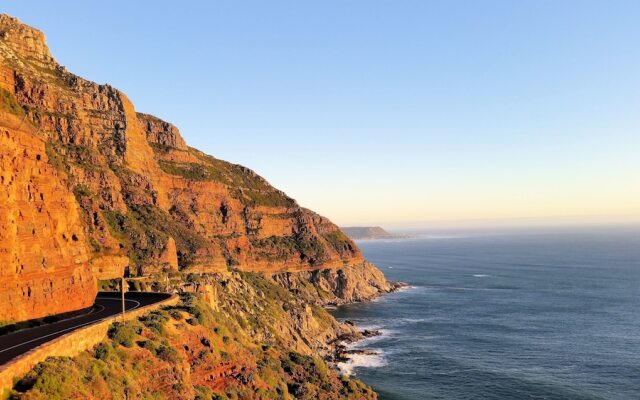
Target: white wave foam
480,276
361,361
363,343
406,288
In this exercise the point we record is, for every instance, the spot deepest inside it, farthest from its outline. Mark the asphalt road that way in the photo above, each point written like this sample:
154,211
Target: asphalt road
106,305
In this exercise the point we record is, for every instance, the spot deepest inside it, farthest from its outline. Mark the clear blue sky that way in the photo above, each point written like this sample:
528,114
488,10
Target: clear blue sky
385,112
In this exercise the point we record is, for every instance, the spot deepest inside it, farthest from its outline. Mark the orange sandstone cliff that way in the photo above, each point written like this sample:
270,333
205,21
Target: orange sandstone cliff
92,189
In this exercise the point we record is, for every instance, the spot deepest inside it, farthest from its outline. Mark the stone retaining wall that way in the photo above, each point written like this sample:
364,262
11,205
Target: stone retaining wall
69,345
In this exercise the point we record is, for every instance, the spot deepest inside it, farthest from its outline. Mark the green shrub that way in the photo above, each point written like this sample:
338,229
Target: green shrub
124,334
191,171
203,393
95,245
102,351
54,379
155,321
167,353
55,159
82,190
175,314
195,306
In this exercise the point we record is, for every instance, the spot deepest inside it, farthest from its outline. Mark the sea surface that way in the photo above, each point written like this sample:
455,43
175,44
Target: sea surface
541,314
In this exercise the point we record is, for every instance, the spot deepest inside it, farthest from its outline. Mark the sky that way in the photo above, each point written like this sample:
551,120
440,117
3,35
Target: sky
393,113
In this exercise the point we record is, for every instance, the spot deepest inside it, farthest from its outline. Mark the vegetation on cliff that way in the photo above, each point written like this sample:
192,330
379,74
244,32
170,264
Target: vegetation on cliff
207,350
8,103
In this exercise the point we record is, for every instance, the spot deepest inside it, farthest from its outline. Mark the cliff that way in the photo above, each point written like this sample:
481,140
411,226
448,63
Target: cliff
128,186
44,261
92,190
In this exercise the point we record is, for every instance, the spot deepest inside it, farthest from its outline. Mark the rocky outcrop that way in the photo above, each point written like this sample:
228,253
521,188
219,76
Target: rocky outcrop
340,285
161,133
109,267
25,40
169,256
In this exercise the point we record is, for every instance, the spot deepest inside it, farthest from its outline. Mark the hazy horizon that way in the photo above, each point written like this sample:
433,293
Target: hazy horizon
391,114
557,222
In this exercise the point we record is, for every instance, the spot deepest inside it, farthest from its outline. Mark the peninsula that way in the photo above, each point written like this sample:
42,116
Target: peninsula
368,232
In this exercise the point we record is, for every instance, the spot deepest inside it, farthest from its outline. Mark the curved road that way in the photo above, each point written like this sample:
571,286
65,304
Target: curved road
106,305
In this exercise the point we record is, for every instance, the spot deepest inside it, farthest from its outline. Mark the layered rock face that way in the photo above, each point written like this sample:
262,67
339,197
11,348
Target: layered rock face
44,260
129,188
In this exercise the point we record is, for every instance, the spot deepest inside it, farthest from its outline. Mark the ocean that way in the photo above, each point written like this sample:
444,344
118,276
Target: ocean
527,314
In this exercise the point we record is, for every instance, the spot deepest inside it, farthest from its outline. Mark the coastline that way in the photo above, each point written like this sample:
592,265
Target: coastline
348,350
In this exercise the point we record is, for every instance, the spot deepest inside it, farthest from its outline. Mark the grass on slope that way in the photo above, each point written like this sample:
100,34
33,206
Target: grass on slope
245,184
9,103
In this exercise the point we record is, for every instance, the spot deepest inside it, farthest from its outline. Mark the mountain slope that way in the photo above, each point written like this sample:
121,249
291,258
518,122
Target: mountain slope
133,195
90,190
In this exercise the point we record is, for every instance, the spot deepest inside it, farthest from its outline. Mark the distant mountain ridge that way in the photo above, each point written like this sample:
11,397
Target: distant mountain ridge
367,232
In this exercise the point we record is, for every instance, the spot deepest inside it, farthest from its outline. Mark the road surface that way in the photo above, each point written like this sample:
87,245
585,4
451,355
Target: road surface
106,305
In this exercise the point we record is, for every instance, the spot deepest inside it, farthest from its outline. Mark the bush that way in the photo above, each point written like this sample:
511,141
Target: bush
175,314
124,334
155,321
54,379
194,305
167,353
203,393
102,351
95,245
82,190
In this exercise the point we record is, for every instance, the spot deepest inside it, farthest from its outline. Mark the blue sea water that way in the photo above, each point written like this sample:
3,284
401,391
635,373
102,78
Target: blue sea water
544,314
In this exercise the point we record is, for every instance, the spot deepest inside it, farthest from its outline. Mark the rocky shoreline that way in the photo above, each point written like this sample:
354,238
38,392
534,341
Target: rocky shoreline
341,352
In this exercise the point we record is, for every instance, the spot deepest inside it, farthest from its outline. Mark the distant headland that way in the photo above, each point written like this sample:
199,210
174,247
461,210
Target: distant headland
368,232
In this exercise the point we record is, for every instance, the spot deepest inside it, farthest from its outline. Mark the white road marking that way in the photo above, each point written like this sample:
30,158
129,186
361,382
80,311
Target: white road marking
93,310
76,326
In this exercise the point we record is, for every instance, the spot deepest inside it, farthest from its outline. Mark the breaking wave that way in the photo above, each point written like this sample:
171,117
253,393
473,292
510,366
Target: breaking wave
362,361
